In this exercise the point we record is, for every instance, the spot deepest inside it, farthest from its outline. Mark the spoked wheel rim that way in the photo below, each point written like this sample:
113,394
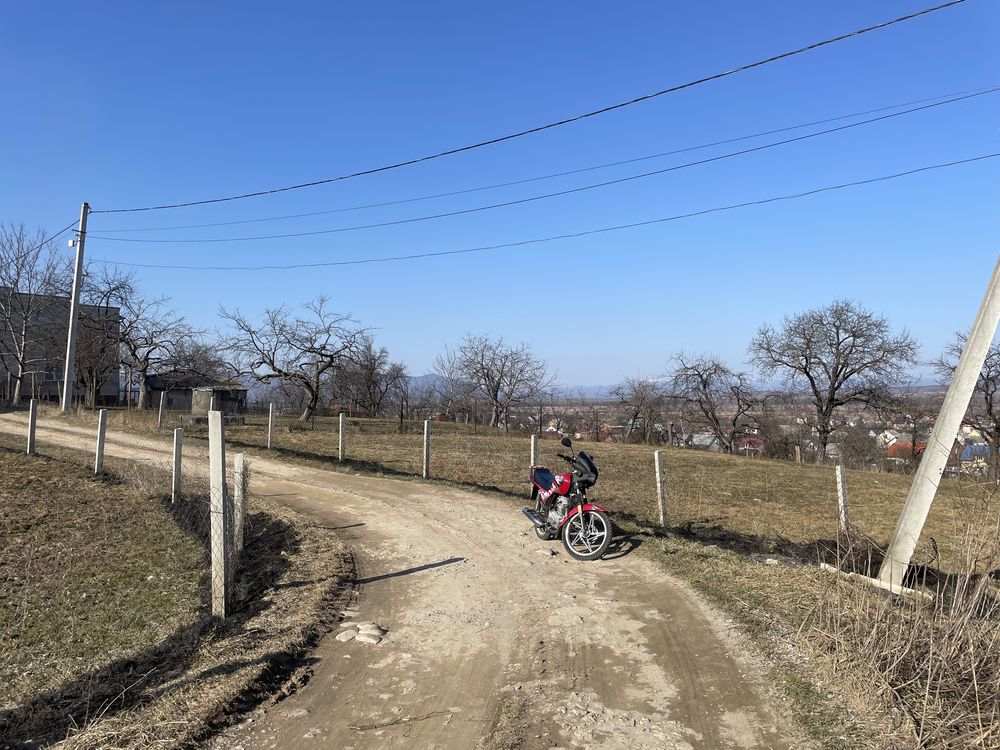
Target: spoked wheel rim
587,534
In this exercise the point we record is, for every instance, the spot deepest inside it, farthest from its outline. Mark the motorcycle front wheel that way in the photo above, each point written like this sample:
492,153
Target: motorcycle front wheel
586,535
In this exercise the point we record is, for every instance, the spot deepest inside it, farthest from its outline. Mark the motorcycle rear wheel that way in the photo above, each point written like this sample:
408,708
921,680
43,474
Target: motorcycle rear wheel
586,535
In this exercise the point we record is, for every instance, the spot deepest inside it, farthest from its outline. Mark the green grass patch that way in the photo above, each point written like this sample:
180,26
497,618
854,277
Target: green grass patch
90,571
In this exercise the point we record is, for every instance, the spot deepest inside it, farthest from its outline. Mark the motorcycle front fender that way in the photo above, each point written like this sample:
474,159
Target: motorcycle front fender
576,509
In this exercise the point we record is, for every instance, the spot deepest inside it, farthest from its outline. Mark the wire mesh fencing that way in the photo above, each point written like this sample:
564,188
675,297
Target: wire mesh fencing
747,502
155,461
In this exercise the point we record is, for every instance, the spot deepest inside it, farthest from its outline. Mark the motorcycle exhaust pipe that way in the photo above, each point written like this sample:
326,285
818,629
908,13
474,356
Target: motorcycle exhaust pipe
532,517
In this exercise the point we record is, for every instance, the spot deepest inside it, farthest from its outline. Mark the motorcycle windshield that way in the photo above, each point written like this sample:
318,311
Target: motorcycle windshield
586,471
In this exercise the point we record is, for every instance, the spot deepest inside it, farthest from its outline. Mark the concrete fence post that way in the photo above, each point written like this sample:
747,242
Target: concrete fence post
102,426
32,421
340,438
219,514
239,501
661,494
175,484
845,521
534,450
163,406
270,425
427,449
798,454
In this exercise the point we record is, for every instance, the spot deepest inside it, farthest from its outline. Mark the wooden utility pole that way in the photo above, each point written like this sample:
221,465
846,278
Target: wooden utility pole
69,374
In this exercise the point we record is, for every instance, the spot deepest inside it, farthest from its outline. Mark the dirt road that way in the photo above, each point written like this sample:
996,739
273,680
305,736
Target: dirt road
495,638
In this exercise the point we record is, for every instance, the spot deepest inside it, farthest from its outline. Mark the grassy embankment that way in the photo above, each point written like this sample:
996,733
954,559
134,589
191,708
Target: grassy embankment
105,636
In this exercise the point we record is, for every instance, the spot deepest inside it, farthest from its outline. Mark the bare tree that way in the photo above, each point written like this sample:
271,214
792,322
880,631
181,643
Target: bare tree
297,350
721,398
839,354
454,390
984,409
98,339
507,375
642,403
31,276
196,356
151,333
368,376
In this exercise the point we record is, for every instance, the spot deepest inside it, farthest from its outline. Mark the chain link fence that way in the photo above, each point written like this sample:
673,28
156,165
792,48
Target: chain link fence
749,503
157,460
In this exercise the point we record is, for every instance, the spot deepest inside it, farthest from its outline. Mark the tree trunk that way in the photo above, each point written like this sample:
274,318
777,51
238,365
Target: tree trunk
310,409
143,392
18,379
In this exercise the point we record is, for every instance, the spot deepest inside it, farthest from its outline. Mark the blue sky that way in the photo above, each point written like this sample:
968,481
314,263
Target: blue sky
132,104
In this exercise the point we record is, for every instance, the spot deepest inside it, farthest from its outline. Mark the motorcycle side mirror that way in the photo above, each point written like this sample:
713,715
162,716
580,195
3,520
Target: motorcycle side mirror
567,442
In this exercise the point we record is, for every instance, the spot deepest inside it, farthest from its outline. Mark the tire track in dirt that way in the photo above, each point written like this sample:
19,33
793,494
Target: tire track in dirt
486,623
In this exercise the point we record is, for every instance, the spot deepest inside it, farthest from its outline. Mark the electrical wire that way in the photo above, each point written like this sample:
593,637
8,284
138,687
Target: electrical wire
534,198
548,126
960,94
572,235
44,242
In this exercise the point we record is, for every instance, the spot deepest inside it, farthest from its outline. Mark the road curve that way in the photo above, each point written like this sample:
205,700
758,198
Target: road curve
496,639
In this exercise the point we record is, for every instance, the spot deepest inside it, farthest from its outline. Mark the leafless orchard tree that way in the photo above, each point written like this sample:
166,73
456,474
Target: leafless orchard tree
506,376
98,353
642,404
455,392
299,350
839,354
984,410
369,376
151,334
722,399
197,356
31,272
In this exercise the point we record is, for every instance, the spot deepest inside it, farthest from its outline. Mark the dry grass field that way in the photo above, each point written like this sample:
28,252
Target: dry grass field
754,504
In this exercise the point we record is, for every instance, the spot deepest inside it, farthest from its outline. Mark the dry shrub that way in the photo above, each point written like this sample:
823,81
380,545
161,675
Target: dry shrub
934,660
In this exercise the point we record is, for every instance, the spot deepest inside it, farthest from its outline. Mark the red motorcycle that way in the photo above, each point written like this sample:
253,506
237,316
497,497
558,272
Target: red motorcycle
561,507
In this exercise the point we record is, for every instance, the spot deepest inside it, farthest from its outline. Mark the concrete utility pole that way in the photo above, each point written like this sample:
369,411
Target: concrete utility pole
942,438
69,374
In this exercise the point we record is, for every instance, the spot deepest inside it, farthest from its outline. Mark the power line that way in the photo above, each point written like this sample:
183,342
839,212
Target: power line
959,94
572,235
548,126
44,242
534,198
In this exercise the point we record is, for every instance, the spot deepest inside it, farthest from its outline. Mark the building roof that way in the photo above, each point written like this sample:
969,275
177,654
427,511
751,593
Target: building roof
182,380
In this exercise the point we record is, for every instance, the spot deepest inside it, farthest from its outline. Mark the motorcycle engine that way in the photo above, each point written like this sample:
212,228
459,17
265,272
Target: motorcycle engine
558,512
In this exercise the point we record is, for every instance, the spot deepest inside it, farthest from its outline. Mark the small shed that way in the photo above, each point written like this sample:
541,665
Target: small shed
193,393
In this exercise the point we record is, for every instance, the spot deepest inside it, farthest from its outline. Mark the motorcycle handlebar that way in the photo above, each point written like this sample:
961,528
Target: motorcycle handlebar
564,457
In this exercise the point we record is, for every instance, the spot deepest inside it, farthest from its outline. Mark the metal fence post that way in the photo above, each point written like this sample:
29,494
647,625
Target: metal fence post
661,495
175,485
270,425
239,501
427,449
163,405
845,522
534,450
32,420
340,439
102,426
219,516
